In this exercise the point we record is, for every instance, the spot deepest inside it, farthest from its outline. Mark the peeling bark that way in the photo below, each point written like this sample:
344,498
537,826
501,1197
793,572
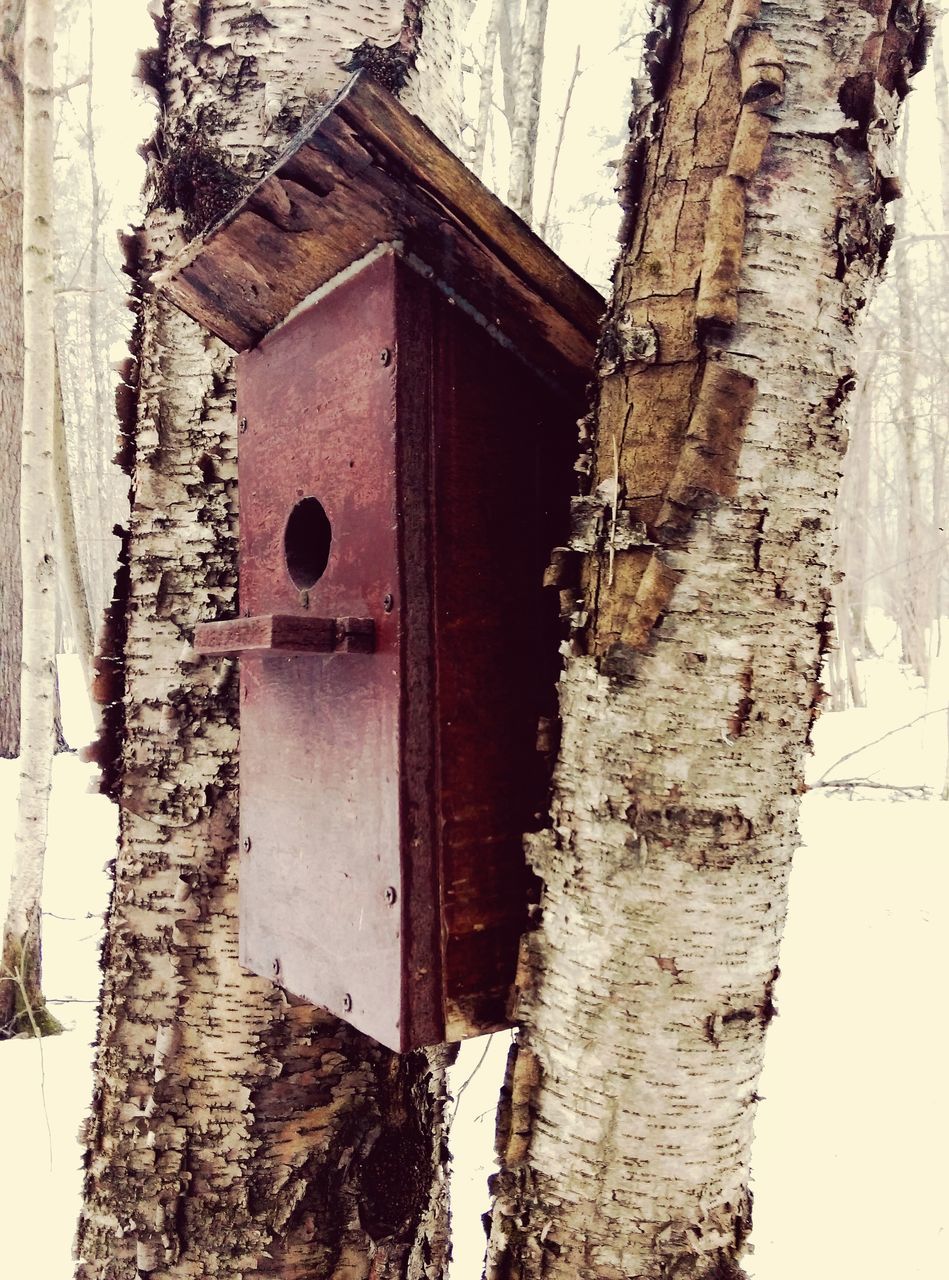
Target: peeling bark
754,189
233,1129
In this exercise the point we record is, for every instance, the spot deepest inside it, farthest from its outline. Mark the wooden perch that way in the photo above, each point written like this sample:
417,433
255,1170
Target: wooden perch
284,633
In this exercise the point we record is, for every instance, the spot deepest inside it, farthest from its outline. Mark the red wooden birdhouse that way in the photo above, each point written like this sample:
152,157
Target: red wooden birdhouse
412,363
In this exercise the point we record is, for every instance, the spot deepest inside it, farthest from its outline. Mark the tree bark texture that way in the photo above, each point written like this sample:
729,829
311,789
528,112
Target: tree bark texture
754,190
21,1002
234,1131
71,583
11,368
486,90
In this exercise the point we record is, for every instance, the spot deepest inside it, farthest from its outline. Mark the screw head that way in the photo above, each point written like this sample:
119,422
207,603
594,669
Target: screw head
391,896
245,844
387,602
276,966
347,1003
385,356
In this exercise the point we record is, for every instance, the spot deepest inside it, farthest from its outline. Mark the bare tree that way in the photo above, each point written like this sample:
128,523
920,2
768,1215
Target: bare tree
482,123
693,682
530,68
234,1129
11,367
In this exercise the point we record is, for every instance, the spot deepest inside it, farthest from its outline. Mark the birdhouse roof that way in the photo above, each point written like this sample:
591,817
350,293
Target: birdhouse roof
365,173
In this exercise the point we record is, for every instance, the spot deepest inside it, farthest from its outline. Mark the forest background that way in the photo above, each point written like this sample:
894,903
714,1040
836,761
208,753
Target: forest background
854,1059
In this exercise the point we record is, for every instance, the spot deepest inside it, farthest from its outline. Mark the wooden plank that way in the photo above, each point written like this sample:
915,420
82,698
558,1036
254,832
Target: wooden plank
364,173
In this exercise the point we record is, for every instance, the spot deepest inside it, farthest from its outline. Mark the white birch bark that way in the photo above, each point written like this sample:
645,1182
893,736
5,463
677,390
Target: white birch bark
21,1010
67,540
688,699
530,72
11,369
234,1131
486,91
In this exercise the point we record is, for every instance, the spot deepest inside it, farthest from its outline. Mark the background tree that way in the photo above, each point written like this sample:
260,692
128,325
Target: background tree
11,366
22,1007
233,1128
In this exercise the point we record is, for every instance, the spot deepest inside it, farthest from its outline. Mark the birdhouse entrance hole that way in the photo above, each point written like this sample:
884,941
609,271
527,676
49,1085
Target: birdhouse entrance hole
306,543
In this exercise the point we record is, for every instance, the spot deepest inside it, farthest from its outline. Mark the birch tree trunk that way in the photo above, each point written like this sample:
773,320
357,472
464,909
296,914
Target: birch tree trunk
11,368
22,1008
693,682
912,563
527,98
234,1130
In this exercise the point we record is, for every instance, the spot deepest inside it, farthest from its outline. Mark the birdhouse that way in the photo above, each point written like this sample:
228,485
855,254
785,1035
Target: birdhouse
412,362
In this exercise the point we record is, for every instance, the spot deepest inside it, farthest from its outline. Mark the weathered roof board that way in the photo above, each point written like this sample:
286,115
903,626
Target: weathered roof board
363,173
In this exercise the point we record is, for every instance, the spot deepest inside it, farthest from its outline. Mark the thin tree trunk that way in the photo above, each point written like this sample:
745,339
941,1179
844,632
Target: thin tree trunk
558,145
11,368
687,704
486,91
22,1008
911,617
235,1130
850,595
99,559
509,51
939,456
524,126
941,86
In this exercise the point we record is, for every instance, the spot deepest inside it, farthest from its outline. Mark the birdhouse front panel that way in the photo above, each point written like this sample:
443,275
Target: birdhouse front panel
321,882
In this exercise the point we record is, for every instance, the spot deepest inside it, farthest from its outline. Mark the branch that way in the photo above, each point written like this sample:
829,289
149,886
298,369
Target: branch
876,741
61,90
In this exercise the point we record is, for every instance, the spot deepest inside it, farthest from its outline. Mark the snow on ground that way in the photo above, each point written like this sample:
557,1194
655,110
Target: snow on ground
849,1162
45,1087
